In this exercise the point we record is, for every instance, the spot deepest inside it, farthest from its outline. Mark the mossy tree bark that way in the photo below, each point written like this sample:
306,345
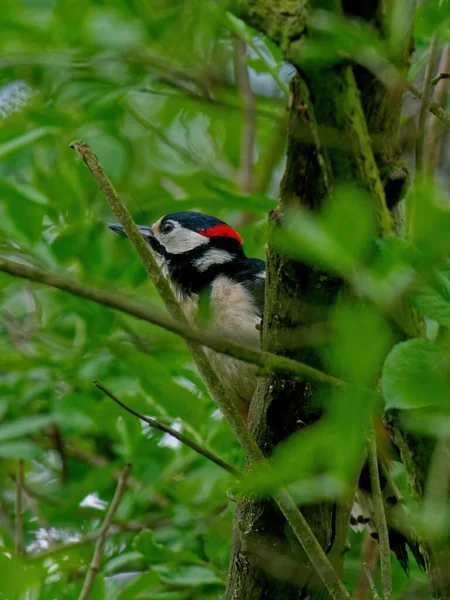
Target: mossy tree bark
266,561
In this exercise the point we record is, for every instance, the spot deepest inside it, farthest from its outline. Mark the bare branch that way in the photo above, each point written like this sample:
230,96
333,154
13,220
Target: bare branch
310,545
95,563
435,130
380,517
172,432
434,108
439,77
19,547
369,555
373,587
427,92
132,232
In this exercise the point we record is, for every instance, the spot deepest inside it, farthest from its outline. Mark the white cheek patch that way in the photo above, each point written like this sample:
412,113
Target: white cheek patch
182,240
215,256
262,275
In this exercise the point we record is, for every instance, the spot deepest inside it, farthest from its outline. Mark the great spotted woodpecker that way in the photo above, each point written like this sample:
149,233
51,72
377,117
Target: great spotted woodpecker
203,259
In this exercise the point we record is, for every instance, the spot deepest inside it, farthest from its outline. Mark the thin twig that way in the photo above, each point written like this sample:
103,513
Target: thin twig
439,77
265,360
369,555
311,546
19,547
373,587
137,241
380,517
434,108
172,432
248,130
435,131
95,563
427,92
285,502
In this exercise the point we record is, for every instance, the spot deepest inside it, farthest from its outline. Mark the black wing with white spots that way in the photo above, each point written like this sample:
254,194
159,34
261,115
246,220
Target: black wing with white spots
251,275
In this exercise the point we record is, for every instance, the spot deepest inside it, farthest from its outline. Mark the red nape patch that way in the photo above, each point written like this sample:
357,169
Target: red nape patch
222,230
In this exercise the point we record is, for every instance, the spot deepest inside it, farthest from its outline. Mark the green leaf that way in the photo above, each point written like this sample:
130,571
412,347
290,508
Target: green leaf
431,16
324,239
416,374
429,221
18,578
30,193
24,140
307,240
25,426
25,207
308,461
431,304
433,300
140,586
145,543
349,204
158,553
128,561
192,576
109,27
361,340
236,201
23,449
64,245
258,64
176,398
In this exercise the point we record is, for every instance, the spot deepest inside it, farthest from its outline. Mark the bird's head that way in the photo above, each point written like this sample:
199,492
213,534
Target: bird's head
191,247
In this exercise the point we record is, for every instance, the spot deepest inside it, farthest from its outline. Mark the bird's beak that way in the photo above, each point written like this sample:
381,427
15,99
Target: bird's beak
147,232
117,228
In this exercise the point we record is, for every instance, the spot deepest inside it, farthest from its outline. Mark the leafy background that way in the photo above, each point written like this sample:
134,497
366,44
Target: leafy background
153,88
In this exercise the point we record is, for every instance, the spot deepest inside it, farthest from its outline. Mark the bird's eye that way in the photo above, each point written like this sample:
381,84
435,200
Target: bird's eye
166,228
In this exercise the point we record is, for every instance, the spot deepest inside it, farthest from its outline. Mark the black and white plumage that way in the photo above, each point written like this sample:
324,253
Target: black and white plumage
203,258
204,261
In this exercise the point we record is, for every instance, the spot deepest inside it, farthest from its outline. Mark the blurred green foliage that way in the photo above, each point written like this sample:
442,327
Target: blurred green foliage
150,86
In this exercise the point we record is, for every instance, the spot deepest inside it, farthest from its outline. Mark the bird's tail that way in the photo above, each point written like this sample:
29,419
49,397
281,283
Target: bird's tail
398,517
